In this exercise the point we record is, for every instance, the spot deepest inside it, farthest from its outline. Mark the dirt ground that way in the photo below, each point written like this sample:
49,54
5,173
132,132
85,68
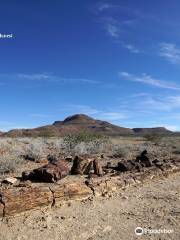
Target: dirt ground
154,205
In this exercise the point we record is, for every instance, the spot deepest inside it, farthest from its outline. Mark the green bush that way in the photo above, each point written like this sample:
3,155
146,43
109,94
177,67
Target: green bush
72,140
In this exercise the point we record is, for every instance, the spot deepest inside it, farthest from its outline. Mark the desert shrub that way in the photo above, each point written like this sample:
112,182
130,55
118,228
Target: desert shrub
37,148
176,149
90,147
83,136
85,143
153,137
73,139
120,151
45,133
155,151
9,163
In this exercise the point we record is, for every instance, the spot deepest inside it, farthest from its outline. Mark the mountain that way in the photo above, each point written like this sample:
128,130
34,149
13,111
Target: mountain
158,130
81,122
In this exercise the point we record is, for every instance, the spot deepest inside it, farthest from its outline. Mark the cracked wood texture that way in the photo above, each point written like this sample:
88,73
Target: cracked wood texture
17,200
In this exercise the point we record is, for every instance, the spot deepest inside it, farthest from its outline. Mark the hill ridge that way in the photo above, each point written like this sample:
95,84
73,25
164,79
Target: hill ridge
79,122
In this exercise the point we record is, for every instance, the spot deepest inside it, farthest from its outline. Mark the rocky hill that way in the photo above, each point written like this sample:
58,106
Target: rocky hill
156,130
82,122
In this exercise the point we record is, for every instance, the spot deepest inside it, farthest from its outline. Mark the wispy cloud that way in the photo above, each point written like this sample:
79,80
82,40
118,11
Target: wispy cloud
173,128
170,52
78,108
116,28
147,79
56,78
103,114
102,6
112,29
150,102
132,48
46,77
39,76
115,25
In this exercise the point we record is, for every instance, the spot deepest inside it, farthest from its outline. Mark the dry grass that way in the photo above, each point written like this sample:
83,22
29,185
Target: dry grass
13,149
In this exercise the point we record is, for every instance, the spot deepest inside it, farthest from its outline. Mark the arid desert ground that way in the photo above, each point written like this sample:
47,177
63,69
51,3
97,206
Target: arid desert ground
153,204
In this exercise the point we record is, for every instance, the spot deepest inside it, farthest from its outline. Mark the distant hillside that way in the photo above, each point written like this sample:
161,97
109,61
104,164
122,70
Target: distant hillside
158,130
82,122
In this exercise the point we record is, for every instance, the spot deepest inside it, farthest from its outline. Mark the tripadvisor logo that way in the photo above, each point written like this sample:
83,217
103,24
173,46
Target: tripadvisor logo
3,36
139,231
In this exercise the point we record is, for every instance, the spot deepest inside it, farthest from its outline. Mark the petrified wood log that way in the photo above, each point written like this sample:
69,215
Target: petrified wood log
50,172
17,200
81,165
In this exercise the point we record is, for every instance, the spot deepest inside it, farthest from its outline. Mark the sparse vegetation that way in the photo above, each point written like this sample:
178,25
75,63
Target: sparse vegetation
120,152
9,163
12,150
85,142
153,137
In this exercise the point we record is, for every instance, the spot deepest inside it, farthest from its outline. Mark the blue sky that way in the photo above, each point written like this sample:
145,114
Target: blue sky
113,60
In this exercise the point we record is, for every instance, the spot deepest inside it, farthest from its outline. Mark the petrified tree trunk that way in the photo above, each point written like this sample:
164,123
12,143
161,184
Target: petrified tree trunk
97,168
81,165
17,200
48,173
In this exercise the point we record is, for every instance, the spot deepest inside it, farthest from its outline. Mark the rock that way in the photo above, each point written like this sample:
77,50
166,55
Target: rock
36,158
10,180
42,160
143,159
30,157
107,229
23,184
69,159
51,172
157,162
51,158
125,166
108,165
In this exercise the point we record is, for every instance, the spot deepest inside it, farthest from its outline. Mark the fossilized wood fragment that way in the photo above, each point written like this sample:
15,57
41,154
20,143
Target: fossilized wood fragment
84,165
48,173
97,168
72,191
17,200
81,165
